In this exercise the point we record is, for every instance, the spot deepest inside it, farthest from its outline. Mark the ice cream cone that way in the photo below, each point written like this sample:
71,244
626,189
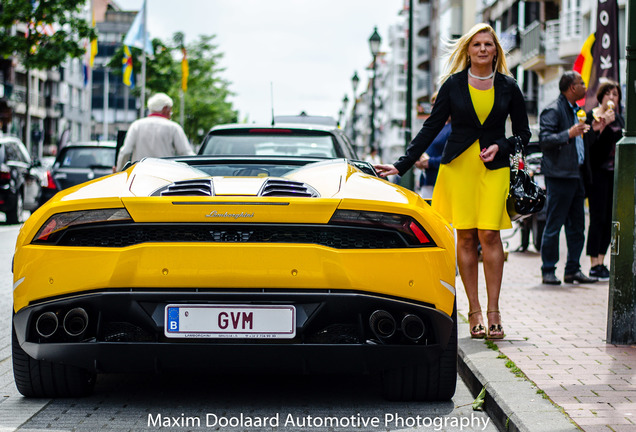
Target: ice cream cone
580,114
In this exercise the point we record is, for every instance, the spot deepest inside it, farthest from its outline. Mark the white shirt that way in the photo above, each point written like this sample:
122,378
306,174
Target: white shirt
153,136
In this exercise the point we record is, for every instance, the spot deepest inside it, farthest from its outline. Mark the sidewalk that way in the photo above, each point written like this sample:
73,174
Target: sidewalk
556,336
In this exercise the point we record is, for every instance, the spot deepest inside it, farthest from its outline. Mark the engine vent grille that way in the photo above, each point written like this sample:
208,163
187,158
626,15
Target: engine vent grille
200,187
287,188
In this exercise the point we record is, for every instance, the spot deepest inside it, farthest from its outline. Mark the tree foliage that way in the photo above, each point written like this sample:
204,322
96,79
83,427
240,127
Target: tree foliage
35,47
206,100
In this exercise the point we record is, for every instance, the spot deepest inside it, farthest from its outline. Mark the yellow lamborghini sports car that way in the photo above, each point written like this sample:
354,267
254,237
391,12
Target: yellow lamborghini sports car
233,264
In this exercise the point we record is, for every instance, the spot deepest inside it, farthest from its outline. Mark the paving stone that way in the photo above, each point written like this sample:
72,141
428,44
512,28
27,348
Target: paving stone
557,337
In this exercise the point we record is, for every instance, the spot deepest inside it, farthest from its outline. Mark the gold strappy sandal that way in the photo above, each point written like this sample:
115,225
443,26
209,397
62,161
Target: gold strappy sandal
478,331
495,331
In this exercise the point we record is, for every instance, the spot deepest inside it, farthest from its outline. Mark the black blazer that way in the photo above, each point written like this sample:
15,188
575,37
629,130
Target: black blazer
453,99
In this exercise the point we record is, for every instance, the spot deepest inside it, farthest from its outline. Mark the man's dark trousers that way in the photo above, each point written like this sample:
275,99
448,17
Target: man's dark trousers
565,207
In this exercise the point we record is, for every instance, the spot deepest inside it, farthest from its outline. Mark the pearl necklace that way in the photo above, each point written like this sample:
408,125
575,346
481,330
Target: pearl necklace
480,77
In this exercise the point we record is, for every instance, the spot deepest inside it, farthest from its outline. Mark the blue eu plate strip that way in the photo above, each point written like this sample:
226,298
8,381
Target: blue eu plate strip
173,319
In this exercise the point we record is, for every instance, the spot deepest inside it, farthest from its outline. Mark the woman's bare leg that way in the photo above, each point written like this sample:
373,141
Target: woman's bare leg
467,261
493,258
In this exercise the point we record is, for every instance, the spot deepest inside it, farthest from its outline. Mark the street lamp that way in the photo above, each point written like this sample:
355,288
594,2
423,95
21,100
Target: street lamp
354,83
374,46
343,111
345,102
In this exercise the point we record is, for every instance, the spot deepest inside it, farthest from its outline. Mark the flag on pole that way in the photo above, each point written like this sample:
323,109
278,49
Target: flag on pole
185,70
135,36
598,60
583,63
93,46
89,58
127,68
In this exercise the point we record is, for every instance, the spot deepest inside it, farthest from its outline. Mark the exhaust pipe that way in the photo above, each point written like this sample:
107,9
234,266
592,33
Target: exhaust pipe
413,327
382,324
75,321
46,324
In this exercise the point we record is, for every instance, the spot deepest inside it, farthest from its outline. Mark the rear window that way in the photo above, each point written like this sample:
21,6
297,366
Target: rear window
88,157
266,143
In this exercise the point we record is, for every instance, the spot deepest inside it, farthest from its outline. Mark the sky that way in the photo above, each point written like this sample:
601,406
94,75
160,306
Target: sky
303,52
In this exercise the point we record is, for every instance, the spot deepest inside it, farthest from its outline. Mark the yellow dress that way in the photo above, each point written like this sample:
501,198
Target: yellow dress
468,194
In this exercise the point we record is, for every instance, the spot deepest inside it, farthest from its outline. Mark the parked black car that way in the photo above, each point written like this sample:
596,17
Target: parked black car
77,163
20,180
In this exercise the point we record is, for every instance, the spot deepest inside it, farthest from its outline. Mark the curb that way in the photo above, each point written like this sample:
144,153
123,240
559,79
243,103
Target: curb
511,402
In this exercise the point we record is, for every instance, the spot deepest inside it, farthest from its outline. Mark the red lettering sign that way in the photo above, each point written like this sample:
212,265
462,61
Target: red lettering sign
248,318
223,321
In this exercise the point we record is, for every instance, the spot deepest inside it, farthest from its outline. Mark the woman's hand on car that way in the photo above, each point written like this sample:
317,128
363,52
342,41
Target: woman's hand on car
385,170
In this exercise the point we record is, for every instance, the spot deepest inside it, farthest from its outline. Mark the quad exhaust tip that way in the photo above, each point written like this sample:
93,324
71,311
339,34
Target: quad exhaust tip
46,324
75,321
413,327
382,324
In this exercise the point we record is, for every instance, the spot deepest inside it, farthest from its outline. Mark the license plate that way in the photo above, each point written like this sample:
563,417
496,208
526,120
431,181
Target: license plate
230,321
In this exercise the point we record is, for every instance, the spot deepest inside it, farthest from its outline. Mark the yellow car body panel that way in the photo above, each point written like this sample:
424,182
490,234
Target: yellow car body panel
422,274
166,266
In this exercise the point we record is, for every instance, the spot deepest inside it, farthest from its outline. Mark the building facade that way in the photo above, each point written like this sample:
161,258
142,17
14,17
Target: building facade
113,104
542,40
59,101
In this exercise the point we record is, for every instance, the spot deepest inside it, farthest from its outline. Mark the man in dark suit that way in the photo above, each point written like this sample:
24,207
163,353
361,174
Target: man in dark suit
565,164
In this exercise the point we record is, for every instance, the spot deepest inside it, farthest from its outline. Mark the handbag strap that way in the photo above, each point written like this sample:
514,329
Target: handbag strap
517,161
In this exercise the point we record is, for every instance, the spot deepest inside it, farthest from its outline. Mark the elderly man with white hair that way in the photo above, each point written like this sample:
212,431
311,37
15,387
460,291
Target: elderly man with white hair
155,135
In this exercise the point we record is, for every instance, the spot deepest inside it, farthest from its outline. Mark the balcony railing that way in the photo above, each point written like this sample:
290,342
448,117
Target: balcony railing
531,42
571,25
19,95
552,41
510,38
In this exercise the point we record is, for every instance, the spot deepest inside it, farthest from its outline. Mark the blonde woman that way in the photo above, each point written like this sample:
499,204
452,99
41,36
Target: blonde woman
479,95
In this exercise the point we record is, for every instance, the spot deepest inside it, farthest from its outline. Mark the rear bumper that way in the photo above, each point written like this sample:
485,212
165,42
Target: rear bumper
243,358
125,333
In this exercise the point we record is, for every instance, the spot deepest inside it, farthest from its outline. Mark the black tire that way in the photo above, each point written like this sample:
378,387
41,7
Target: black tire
14,215
537,232
42,379
425,382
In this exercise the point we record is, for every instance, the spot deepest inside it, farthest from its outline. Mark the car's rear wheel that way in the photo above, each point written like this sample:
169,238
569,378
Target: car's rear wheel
431,381
14,214
38,378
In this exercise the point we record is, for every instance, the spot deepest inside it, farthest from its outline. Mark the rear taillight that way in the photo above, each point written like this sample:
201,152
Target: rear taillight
270,131
5,174
61,221
50,183
410,229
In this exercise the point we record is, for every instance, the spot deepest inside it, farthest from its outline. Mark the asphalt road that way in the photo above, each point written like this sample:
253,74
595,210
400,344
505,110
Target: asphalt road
221,403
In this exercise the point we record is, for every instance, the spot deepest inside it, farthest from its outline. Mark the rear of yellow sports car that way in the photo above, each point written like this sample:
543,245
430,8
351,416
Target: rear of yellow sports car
325,269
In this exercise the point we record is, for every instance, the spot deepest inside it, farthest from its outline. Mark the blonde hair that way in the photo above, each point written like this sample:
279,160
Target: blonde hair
459,60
